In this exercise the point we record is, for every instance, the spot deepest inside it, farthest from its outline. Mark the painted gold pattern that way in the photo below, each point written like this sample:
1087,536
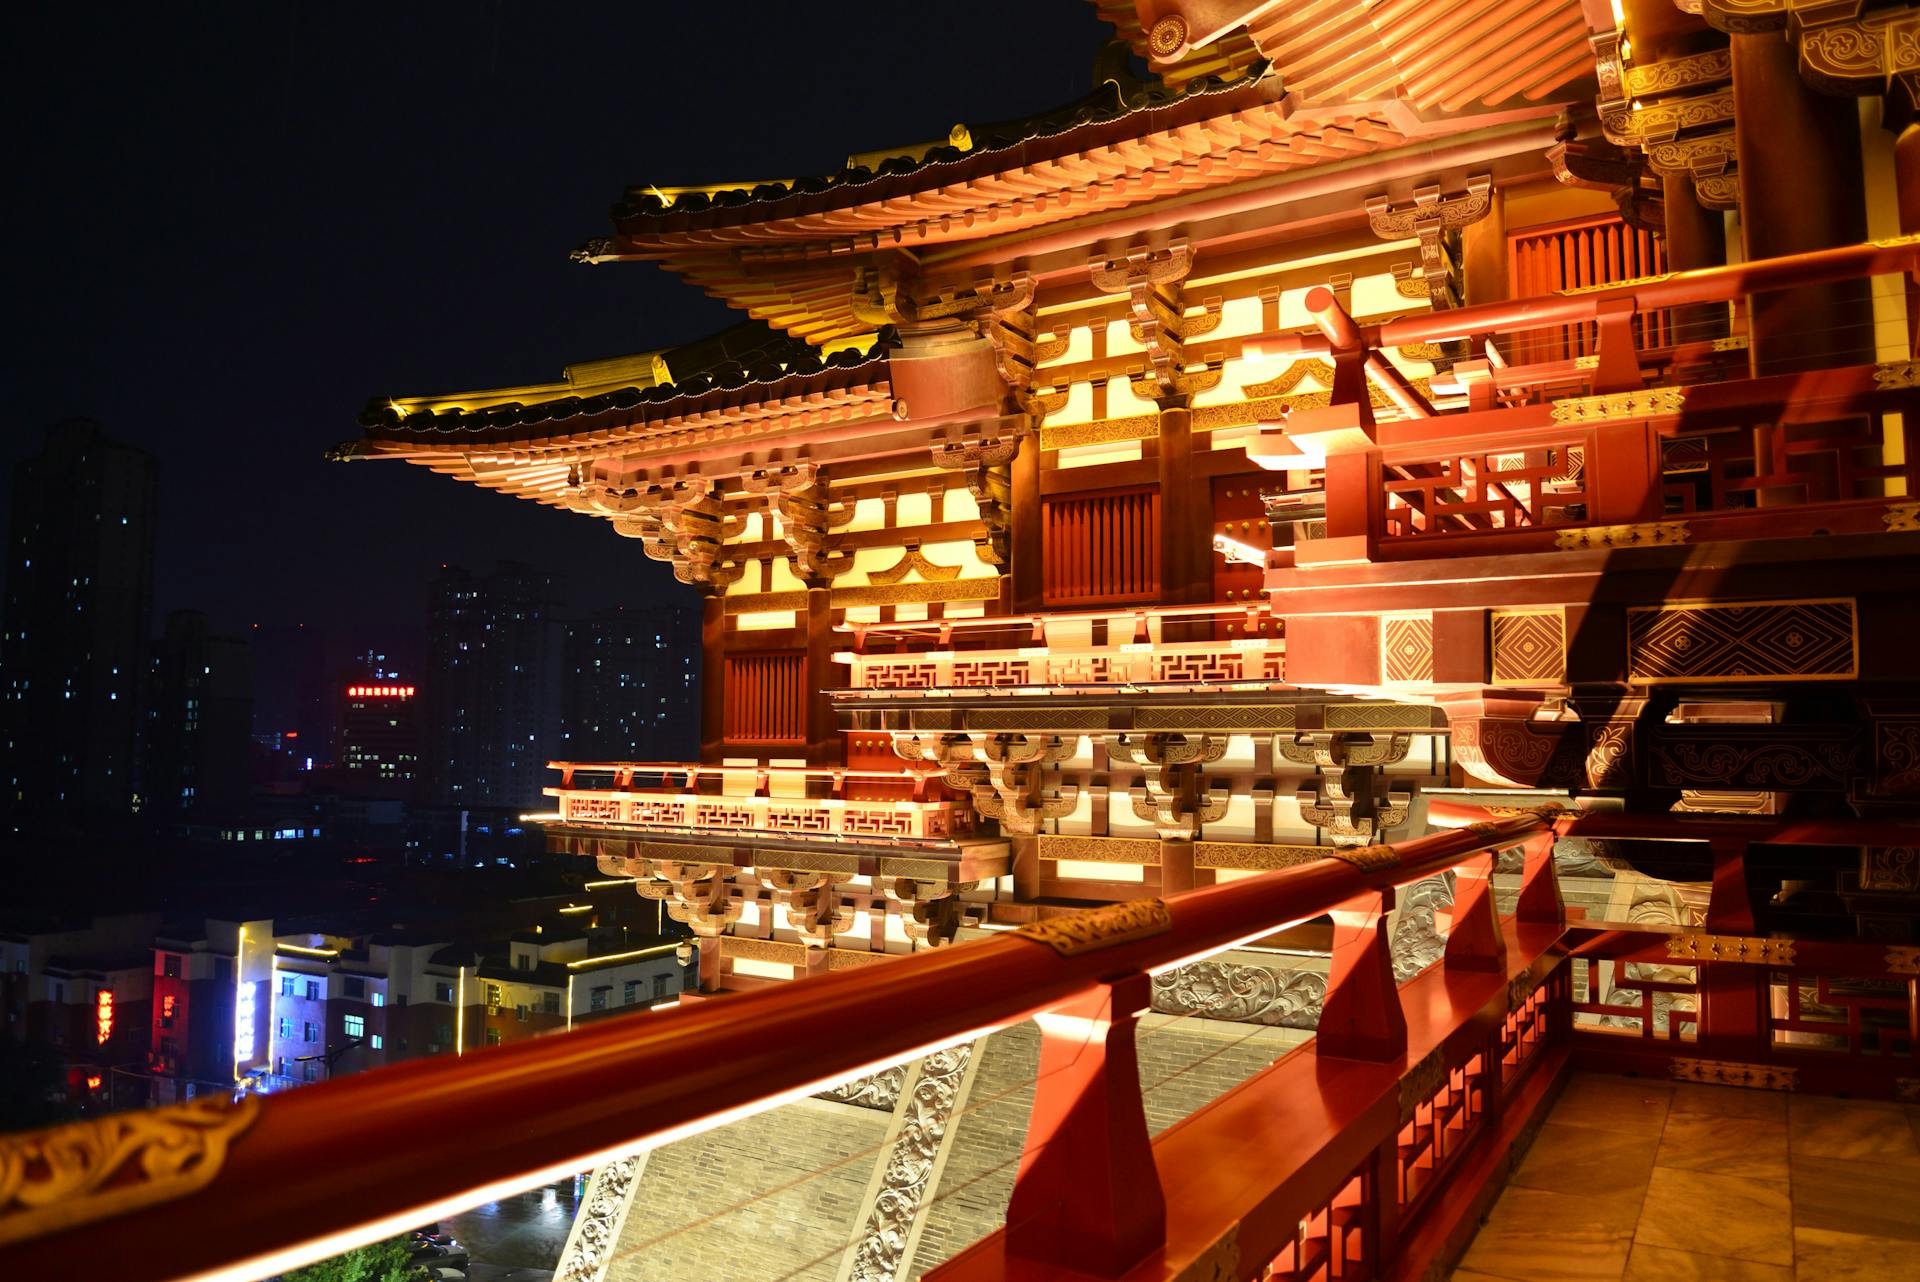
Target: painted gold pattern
1903,959
1896,375
106,1166
1254,856
1902,516
1422,1082
764,950
766,602
1651,403
913,559
985,588
1375,716
1101,850
1717,191
1106,431
1706,68
1716,1072
852,959
1213,717
1366,858
1746,949
1103,927
1811,640
1653,533
1571,290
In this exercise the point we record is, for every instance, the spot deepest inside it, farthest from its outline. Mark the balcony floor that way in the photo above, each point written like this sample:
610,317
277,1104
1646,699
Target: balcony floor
1631,1180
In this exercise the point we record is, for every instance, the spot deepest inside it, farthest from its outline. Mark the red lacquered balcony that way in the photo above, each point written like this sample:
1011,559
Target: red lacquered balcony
881,817
1369,1152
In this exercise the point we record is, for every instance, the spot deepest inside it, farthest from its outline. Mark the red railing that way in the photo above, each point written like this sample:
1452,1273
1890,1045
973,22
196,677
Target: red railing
1546,449
369,1155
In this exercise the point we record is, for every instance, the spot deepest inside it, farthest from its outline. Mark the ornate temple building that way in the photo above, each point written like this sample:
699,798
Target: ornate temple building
1362,566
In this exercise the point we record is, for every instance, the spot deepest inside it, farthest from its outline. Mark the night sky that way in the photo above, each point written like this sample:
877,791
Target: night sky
230,225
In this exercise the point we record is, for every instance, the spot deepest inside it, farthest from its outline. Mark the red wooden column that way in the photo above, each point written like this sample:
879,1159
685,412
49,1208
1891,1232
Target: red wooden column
713,679
1906,176
826,745
1028,571
1088,1196
1733,996
1695,236
1801,188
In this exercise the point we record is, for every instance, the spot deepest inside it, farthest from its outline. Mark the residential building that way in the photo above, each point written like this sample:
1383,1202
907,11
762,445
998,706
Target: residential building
632,684
492,685
76,627
199,722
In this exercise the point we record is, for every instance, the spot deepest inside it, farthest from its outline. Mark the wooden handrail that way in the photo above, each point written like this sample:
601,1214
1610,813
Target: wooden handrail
304,1175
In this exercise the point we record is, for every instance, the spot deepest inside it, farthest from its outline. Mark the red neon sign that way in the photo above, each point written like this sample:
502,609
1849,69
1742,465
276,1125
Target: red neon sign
103,1016
379,692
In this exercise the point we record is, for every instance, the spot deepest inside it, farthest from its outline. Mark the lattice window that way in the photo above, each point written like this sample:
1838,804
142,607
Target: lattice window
766,698
1080,670
882,823
1101,548
659,811
718,814
594,809
1228,666
900,676
990,672
798,819
1594,251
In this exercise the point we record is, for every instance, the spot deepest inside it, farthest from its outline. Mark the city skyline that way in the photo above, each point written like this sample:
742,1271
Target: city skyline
298,256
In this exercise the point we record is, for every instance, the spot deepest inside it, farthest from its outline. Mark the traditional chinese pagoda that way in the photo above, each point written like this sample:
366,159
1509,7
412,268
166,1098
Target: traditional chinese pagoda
1386,544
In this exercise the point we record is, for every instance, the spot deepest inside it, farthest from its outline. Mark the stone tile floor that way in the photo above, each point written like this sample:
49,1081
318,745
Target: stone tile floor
1632,1181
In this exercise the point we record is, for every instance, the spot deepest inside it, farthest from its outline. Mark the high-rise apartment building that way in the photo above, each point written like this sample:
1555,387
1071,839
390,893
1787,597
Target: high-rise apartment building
199,720
492,685
74,644
632,684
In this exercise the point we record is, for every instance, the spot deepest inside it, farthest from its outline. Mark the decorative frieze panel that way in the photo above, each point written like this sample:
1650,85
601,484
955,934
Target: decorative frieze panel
1239,856
1529,647
1764,640
1406,647
904,1179
1241,994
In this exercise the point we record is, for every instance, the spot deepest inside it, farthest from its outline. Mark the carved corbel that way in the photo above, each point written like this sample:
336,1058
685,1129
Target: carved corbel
1338,751
800,496
1151,280
1172,796
683,523
1347,809
930,911
1436,222
812,901
699,897
1174,817
986,466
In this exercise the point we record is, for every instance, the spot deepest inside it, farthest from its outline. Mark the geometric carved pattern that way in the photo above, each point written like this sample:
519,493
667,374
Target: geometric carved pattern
1406,647
1529,647
1779,640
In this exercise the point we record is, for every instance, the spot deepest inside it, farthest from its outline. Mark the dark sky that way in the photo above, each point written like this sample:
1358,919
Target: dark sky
230,224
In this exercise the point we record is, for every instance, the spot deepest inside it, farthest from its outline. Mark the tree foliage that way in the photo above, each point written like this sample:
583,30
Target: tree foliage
387,1261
